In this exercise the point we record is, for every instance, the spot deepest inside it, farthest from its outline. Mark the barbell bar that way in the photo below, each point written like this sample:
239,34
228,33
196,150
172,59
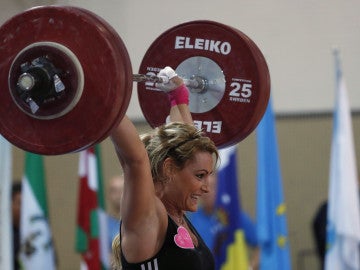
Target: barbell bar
196,83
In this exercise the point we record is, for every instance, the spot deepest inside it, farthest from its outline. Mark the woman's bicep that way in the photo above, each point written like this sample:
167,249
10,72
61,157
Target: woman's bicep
138,201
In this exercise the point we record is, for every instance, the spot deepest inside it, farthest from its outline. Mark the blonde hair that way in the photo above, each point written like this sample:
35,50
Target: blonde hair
116,252
178,141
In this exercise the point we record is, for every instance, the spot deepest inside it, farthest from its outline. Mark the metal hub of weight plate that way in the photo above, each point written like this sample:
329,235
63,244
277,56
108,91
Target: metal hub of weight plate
65,78
36,86
234,83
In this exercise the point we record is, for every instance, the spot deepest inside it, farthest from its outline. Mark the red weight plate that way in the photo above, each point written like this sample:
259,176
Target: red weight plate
126,75
237,81
107,79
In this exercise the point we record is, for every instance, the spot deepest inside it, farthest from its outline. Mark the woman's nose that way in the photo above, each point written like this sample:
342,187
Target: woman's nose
205,186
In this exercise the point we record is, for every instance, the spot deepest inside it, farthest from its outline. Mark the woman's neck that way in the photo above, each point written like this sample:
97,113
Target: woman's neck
175,213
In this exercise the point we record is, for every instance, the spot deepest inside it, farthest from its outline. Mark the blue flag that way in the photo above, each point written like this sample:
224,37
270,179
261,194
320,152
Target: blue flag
271,209
343,215
229,248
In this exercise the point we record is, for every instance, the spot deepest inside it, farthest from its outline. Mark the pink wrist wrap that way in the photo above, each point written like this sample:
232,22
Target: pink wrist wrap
179,95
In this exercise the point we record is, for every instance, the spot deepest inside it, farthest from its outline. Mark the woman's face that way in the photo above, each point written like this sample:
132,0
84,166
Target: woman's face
190,183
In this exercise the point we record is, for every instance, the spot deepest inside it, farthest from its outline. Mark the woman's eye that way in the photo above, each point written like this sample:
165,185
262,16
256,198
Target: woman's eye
200,176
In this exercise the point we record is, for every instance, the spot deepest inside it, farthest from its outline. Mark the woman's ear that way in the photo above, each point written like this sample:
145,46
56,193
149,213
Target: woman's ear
168,168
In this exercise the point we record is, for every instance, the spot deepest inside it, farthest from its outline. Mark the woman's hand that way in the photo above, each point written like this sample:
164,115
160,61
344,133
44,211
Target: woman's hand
170,80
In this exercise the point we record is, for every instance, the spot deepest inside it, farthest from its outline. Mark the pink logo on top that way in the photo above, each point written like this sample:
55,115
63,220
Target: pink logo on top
182,238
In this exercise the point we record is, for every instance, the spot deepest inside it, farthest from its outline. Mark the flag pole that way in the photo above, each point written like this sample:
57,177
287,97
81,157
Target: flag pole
338,73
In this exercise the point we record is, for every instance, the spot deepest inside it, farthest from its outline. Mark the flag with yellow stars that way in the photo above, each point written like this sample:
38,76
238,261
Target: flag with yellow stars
270,208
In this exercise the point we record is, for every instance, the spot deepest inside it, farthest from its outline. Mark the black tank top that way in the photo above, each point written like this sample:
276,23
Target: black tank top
176,252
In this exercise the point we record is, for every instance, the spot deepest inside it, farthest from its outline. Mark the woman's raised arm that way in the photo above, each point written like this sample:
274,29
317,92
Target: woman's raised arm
139,192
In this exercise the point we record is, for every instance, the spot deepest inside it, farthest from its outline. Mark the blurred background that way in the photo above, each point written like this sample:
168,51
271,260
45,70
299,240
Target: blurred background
297,39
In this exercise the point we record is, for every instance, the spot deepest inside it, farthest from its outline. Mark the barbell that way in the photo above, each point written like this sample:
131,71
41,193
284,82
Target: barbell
66,79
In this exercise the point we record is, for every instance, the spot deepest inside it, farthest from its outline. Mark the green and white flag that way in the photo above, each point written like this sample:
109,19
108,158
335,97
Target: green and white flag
6,246
37,250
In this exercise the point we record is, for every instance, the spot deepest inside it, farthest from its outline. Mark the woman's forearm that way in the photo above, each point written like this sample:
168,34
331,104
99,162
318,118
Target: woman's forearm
127,142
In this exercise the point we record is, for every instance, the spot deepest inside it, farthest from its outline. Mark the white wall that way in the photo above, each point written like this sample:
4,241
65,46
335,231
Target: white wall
296,37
